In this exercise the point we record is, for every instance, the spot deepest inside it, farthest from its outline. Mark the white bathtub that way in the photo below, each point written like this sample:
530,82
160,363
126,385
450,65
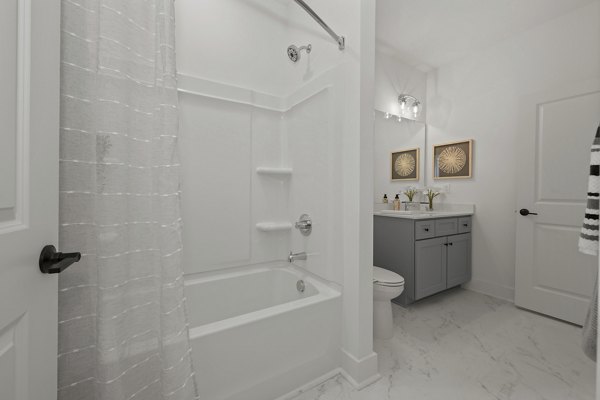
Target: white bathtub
256,337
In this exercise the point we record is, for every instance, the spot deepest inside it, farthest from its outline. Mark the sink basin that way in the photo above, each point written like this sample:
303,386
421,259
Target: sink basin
401,212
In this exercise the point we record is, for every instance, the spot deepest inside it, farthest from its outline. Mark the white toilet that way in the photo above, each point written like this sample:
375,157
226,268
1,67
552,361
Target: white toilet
386,286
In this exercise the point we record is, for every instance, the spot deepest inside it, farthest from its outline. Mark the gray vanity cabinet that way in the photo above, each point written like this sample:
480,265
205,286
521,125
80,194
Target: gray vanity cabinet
432,255
458,259
430,267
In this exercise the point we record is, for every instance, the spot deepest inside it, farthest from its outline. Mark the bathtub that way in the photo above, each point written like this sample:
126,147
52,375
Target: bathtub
255,336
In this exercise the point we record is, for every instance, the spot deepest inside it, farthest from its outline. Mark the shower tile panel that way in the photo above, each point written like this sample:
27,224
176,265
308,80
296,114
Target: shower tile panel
215,146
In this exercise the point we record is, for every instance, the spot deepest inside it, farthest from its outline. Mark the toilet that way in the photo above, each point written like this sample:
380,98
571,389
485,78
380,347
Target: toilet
386,286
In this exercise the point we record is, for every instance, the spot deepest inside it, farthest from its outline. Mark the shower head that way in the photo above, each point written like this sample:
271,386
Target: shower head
293,52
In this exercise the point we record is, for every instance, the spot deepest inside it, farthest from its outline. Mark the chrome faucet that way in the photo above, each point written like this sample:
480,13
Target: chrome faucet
296,256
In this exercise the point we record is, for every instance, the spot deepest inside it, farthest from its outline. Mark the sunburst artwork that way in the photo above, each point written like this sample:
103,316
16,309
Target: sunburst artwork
405,165
453,160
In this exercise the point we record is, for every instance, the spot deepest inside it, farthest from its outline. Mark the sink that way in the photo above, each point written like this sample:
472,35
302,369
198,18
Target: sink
401,212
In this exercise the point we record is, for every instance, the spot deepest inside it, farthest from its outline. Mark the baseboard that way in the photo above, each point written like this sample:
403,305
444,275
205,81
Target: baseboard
312,384
360,372
492,289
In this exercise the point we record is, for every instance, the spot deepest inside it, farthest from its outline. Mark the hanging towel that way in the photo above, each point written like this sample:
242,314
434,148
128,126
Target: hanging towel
588,244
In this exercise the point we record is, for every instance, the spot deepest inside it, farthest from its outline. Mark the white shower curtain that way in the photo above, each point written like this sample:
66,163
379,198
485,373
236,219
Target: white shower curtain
122,323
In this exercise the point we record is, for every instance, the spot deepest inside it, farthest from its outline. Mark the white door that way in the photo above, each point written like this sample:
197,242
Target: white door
29,113
557,131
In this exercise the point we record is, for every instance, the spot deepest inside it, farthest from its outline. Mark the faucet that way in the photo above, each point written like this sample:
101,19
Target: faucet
296,256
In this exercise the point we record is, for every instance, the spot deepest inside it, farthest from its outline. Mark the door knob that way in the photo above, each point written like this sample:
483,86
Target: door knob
525,212
54,262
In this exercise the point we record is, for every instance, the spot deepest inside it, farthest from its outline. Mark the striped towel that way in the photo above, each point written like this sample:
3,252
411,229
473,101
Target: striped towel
588,240
588,244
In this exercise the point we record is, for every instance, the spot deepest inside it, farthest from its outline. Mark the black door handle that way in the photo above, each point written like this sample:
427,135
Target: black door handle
53,262
525,212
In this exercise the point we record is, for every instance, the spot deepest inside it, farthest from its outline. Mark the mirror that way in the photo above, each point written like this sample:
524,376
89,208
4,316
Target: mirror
395,165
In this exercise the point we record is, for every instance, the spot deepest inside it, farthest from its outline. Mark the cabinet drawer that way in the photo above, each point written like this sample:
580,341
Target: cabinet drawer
424,229
446,226
464,224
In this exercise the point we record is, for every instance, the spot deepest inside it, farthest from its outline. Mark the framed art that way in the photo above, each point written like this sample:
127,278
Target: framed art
453,160
405,165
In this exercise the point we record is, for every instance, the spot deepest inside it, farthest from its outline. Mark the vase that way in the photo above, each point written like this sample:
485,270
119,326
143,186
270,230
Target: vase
412,206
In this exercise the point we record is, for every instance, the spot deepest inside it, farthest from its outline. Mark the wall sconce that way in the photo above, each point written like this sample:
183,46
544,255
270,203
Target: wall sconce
388,115
407,101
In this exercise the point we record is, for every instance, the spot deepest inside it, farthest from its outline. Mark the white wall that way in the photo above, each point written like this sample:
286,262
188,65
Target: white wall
478,98
238,42
392,78
232,61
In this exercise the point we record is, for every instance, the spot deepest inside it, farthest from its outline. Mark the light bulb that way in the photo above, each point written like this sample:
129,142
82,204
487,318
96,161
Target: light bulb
399,119
387,115
415,109
403,104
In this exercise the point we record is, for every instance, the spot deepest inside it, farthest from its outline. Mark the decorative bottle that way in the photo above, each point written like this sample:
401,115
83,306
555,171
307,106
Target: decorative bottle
397,203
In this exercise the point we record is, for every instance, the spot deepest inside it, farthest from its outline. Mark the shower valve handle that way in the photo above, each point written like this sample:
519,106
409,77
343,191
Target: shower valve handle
304,224
54,262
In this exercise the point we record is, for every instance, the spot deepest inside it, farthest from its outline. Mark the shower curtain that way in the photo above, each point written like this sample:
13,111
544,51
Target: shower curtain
122,324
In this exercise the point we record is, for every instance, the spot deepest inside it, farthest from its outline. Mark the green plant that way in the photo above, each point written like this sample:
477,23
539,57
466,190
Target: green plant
431,194
410,193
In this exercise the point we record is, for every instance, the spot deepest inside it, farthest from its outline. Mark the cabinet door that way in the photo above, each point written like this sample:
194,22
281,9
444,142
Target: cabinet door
459,259
430,267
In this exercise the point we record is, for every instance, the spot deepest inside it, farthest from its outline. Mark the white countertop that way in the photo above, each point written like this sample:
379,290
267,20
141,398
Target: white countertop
444,211
422,214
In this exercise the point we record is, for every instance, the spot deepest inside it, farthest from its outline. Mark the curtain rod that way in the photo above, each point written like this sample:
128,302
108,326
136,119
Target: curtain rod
341,41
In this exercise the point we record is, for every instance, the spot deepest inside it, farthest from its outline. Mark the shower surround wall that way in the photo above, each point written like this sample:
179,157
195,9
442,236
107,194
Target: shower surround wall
244,105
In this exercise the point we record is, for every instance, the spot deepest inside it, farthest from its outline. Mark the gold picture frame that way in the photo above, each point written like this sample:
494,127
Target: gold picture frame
405,165
453,160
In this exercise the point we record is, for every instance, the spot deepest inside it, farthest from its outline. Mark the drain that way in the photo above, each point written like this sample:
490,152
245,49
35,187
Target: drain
300,286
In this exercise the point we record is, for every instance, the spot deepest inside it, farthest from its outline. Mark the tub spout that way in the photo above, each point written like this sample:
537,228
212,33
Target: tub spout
296,256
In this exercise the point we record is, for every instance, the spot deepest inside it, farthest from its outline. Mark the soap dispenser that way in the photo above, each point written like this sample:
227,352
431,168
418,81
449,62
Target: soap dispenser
397,203
385,199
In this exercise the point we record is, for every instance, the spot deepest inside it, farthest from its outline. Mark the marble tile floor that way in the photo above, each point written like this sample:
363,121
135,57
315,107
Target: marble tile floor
462,345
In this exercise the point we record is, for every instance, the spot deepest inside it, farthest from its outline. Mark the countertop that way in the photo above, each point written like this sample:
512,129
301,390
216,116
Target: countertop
423,214
444,211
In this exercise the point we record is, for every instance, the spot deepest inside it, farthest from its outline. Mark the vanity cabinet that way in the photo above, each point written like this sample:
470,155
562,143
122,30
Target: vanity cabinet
432,255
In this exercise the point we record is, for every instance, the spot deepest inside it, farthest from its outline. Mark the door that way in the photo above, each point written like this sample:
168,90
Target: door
557,130
430,267
29,115
458,263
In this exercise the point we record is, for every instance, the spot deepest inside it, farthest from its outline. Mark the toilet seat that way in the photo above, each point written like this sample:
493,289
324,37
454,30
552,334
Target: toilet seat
384,277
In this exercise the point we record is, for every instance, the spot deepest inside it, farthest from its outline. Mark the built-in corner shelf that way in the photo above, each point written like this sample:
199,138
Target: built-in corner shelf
274,171
273,226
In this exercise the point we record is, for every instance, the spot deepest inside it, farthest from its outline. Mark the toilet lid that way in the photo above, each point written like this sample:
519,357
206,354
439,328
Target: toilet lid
386,277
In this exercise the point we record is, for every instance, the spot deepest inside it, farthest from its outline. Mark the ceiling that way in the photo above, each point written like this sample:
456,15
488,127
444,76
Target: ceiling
429,33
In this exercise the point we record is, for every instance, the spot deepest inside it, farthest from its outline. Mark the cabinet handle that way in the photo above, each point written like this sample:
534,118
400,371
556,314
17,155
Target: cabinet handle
450,244
426,229
465,225
446,244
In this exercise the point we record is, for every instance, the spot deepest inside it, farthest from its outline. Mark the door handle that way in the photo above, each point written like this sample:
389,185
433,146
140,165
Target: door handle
525,212
54,262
